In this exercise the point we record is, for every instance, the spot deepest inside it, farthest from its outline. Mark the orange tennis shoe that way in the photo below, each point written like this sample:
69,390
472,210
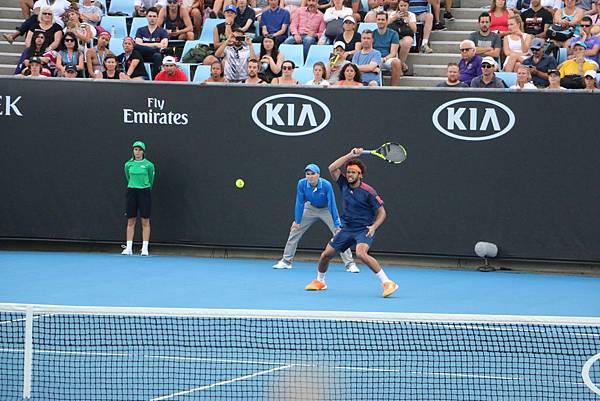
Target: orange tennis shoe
389,287
316,285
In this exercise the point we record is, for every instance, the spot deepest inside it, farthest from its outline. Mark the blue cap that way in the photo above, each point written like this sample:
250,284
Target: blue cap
313,167
580,43
230,7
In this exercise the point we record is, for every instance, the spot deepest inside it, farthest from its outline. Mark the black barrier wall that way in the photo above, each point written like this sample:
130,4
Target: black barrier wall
516,169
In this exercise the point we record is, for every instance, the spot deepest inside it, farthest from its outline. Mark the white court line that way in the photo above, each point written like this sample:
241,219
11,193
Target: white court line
23,319
193,390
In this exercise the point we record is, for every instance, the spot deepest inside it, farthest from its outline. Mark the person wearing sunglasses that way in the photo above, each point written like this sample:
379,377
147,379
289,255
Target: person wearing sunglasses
55,7
287,71
592,42
470,62
36,49
46,24
176,20
488,78
69,55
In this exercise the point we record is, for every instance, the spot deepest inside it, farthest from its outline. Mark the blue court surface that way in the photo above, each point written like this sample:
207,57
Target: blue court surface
210,358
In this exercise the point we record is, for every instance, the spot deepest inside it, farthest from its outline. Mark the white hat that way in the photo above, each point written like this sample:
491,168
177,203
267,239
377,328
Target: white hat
349,18
339,43
169,60
489,60
591,73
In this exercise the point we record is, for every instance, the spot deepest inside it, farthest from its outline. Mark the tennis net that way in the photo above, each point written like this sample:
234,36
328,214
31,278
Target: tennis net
93,353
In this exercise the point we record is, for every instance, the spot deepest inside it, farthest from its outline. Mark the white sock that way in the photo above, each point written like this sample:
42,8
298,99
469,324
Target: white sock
382,277
321,277
425,41
144,245
129,245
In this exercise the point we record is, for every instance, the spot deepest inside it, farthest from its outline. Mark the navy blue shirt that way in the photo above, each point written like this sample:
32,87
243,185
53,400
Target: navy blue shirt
360,204
320,196
274,20
154,37
546,63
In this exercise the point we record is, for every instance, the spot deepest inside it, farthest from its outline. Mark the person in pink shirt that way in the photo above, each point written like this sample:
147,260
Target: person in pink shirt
170,71
307,26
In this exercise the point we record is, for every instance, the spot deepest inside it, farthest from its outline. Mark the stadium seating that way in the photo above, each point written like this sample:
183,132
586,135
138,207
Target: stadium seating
562,55
185,68
206,36
190,44
364,5
116,24
318,53
256,49
148,67
509,78
294,53
366,25
123,6
116,46
303,74
202,73
136,24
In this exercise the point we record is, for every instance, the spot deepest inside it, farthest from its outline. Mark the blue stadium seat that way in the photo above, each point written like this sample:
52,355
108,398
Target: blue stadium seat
202,73
303,74
190,44
103,2
364,5
118,23
562,55
116,46
148,67
137,22
185,68
124,6
509,78
256,49
206,36
318,53
367,25
294,53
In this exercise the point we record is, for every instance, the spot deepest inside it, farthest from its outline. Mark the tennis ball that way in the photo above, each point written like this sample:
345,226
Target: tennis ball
239,183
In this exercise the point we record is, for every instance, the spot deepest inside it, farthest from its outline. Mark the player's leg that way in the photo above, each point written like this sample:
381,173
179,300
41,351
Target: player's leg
363,244
339,243
347,254
308,219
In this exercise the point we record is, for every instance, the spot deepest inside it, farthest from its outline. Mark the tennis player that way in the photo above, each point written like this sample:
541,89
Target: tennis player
363,214
315,200
140,177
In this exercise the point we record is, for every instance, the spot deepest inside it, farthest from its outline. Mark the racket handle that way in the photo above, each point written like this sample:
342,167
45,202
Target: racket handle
366,152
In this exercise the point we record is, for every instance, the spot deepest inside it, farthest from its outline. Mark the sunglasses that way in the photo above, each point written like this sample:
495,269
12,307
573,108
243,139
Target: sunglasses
586,25
465,50
287,67
69,40
46,13
486,65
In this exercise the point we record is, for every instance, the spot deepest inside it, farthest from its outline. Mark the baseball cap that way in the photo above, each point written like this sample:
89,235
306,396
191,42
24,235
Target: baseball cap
553,71
339,43
104,33
139,144
35,60
489,60
537,44
230,7
70,68
312,167
169,60
580,43
591,73
349,18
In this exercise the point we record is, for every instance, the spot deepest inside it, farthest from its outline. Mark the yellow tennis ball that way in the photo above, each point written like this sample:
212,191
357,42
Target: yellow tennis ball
239,183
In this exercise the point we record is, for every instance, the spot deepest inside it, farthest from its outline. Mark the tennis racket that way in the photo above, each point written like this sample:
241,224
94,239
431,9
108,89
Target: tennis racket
390,152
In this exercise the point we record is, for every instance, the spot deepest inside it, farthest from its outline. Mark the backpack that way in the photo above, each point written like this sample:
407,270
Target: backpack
197,54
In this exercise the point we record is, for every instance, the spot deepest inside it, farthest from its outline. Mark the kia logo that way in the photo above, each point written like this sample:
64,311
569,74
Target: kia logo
291,114
473,119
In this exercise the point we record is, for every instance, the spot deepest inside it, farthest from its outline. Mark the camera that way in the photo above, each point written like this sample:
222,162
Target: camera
240,38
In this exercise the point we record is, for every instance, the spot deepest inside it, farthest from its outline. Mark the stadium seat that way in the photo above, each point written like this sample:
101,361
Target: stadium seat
256,49
137,23
185,68
103,7
116,46
509,78
148,67
366,25
318,53
562,55
303,74
118,23
364,5
190,44
123,6
202,73
294,53
206,36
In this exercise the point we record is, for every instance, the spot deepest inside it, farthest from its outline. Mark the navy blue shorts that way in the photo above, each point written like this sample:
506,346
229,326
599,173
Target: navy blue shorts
348,237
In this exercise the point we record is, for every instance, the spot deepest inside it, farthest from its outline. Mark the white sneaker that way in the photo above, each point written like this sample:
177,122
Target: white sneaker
127,252
144,252
352,268
282,264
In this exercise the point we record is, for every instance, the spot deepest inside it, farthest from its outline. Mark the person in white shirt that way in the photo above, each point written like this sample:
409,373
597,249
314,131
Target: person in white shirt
523,79
320,75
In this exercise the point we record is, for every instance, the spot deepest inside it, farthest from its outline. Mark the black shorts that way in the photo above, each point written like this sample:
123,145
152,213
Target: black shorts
138,200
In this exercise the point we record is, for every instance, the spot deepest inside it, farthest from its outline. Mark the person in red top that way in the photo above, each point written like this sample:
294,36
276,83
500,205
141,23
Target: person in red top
170,71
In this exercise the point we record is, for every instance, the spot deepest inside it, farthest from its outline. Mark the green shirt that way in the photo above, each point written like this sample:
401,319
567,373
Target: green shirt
139,173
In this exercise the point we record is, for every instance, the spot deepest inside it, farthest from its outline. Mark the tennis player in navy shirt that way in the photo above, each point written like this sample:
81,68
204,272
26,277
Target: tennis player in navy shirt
363,215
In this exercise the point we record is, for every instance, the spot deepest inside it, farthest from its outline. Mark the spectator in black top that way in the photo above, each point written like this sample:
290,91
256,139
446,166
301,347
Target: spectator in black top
48,25
539,63
36,49
245,18
223,31
349,37
151,39
536,20
176,20
131,61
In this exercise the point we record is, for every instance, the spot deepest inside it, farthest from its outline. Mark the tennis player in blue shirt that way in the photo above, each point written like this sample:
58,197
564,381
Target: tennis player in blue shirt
315,201
363,214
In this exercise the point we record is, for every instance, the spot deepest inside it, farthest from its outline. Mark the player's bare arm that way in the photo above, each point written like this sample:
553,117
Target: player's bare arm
379,218
334,168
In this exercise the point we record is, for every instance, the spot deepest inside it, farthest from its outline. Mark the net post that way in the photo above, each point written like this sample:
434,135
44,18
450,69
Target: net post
28,353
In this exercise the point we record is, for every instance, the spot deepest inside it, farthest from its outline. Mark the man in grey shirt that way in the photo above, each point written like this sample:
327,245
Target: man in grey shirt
487,43
488,78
